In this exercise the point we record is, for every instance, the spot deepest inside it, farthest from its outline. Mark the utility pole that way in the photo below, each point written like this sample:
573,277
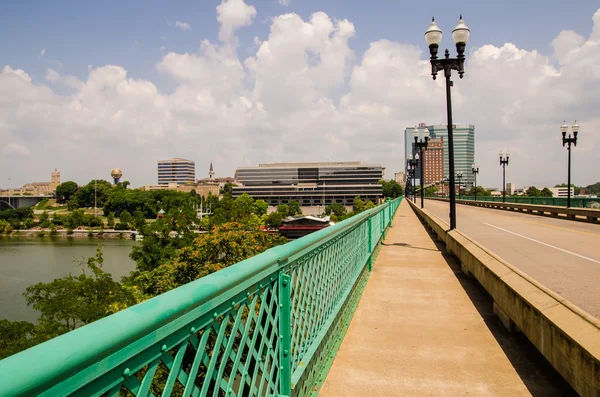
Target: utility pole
95,199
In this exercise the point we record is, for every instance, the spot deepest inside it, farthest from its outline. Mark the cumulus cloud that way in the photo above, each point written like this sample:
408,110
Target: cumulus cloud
232,15
304,95
183,25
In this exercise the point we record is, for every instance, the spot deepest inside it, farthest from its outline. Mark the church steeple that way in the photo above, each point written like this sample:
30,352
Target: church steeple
211,172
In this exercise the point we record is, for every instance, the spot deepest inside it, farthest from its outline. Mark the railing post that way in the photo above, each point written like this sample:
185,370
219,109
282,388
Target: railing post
285,332
370,247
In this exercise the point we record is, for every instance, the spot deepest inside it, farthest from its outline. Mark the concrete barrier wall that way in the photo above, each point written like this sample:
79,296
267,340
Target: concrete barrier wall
576,214
567,336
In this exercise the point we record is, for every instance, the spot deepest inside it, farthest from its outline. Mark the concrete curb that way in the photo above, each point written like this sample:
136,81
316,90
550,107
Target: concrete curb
566,335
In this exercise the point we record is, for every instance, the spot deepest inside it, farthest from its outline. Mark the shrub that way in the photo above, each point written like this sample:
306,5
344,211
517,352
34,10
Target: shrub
121,226
41,233
69,231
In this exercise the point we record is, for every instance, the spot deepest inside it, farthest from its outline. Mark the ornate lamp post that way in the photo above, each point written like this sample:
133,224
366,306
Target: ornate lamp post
504,162
568,140
459,175
475,171
420,145
412,164
460,36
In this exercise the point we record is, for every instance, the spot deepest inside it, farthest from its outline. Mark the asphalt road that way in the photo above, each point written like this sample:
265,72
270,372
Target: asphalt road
563,255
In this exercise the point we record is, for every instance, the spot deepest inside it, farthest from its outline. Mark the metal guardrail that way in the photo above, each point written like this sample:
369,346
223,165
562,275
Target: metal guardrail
267,326
584,202
576,214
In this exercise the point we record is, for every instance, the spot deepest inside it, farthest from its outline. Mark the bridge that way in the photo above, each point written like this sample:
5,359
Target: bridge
20,201
387,303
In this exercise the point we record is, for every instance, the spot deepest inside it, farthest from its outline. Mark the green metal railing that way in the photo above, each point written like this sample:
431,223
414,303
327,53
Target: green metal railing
585,202
267,326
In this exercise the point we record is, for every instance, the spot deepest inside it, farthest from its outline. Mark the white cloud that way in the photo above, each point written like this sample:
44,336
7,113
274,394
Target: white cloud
285,3
232,15
43,52
183,25
304,95
14,149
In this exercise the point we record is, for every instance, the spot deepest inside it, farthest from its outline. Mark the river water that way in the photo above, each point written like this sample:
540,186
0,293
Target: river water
26,261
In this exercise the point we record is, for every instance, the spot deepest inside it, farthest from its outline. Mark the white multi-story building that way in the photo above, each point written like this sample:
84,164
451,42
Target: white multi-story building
176,170
562,191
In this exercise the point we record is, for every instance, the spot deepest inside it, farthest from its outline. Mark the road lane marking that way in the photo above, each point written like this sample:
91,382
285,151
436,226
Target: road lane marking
540,242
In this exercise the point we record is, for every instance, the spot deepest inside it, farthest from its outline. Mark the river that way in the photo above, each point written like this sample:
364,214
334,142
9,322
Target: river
26,261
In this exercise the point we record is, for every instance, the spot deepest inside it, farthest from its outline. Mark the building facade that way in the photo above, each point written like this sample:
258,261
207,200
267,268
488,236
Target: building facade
176,170
562,191
464,148
35,188
433,158
310,183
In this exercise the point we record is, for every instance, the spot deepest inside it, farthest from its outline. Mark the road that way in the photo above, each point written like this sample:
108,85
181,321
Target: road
562,255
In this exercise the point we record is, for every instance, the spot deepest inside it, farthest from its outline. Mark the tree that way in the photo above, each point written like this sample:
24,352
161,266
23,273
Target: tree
221,247
335,208
283,210
95,191
73,204
139,220
294,208
66,190
227,189
44,220
546,192
359,205
260,207
125,217
72,301
391,189
480,191
242,208
28,223
533,192
274,219
110,219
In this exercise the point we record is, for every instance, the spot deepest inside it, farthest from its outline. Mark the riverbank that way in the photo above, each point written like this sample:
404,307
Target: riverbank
77,233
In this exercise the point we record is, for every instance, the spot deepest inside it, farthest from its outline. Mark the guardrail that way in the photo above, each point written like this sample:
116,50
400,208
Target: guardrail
267,326
567,336
576,202
576,214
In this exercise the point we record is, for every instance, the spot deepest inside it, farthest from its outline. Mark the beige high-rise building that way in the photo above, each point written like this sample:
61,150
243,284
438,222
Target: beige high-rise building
433,158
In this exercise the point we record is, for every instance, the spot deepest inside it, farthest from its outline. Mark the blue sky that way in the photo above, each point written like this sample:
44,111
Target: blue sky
76,33
119,84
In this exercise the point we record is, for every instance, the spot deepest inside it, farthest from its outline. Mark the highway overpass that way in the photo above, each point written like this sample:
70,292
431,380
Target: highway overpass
20,201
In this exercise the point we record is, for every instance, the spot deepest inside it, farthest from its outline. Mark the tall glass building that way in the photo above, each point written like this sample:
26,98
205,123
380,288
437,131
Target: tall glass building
176,171
464,148
310,183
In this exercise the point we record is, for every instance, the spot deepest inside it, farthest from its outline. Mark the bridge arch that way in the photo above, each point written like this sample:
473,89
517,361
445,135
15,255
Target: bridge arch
4,204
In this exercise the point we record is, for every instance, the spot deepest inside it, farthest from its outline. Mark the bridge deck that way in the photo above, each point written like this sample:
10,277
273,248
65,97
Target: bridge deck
422,329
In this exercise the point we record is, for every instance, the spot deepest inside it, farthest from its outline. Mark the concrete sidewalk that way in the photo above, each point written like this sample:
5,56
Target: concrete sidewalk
417,332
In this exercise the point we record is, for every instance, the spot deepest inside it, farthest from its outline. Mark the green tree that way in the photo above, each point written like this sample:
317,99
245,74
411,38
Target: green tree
72,301
335,208
126,217
73,204
110,219
294,208
139,220
480,191
45,220
28,223
242,208
274,219
283,210
260,207
533,191
227,189
66,190
391,189
221,247
546,192
97,190
359,205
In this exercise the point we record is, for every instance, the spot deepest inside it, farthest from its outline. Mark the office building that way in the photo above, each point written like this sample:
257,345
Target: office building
464,148
310,183
433,158
176,170
510,189
562,191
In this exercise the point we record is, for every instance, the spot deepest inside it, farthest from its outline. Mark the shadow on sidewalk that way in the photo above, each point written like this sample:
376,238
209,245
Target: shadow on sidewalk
537,374
411,246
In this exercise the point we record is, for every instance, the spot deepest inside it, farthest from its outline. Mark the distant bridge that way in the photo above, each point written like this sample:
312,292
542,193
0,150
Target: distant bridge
20,201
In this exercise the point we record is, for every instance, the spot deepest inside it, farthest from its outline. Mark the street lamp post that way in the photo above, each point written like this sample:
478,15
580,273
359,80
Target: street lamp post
568,140
475,170
421,145
412,164
460,36
459,175
504,162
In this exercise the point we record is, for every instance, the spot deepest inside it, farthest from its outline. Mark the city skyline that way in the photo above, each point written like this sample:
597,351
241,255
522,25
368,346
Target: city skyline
216,89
